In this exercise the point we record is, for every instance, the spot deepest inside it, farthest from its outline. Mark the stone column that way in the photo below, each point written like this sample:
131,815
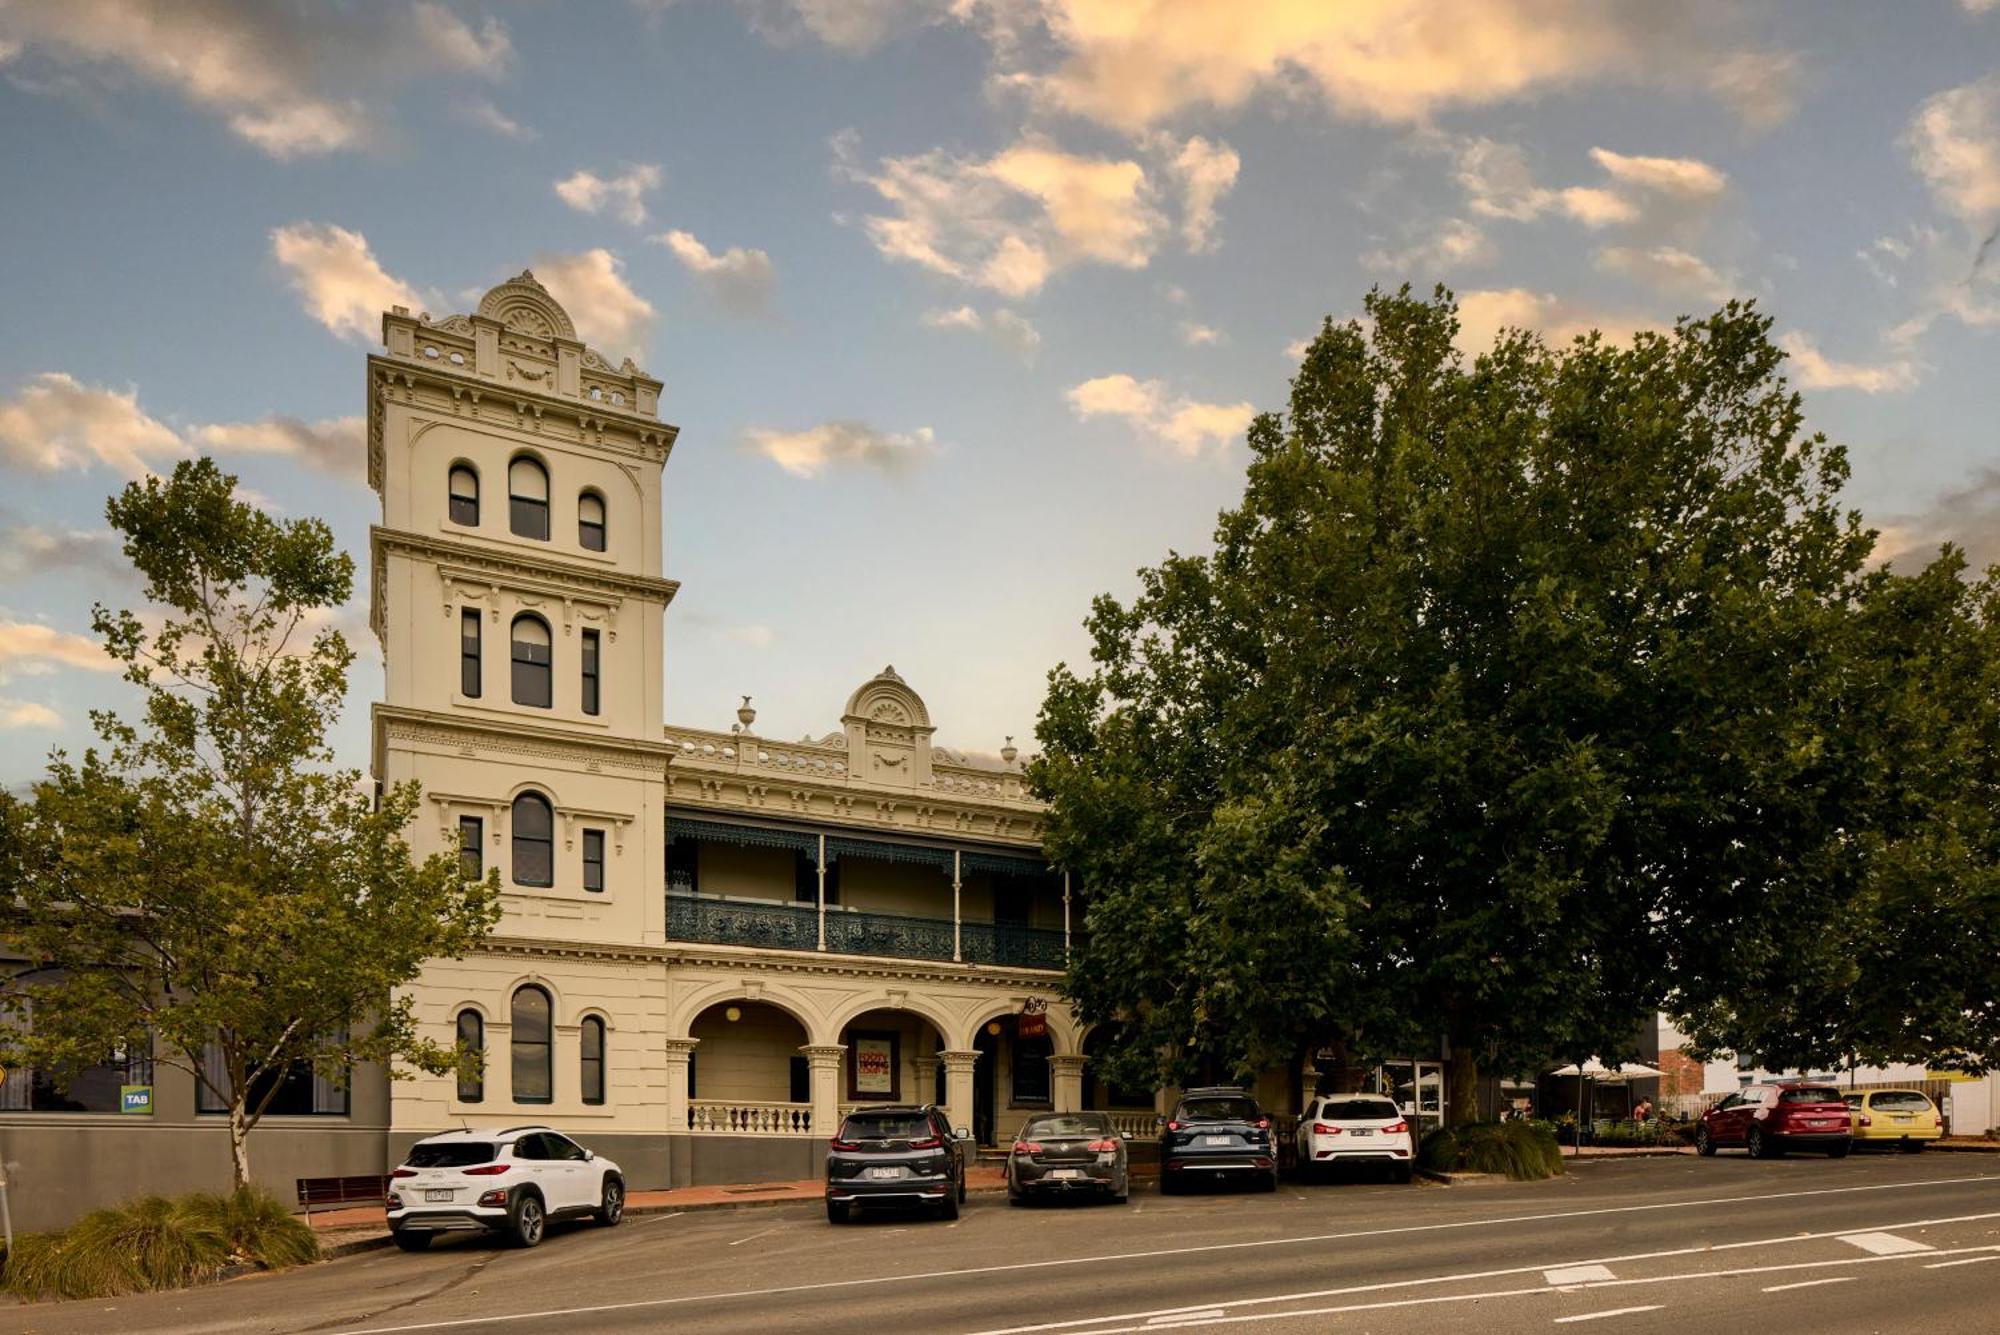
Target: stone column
958,1086
1066,1083
679,1051
823,1059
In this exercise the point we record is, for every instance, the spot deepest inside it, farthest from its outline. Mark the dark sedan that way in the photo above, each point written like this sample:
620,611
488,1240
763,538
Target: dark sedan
1214,1134
895,1156
1068,1154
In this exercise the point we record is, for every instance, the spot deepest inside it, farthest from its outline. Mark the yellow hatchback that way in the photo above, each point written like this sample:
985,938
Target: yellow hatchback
1903,1117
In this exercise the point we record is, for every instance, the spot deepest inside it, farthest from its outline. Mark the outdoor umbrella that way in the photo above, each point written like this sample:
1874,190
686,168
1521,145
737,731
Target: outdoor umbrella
1610,1075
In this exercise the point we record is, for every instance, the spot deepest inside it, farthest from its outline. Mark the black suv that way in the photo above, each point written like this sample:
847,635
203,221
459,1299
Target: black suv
1217,1133
896,1156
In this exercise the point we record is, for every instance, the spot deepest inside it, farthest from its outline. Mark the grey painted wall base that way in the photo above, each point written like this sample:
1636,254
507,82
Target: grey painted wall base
715,1161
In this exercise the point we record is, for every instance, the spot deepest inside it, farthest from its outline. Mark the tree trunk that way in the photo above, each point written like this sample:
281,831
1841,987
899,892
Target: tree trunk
1462,1088
239,1145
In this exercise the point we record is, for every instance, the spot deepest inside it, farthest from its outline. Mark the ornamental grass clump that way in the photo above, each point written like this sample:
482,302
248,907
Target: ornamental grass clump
158,1242
1522,1151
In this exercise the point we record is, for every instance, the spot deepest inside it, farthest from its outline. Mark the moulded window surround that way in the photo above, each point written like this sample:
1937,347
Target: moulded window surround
534,841
533,1049
533,670
470,664
593,860
464,506
472,1038
592,642
590,521
591,1035
528,499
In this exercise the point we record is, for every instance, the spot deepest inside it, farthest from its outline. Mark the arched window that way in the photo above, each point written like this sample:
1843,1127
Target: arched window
472,1039
534,841
590,521
593,1059
464,495
532,662
534,1072
528,499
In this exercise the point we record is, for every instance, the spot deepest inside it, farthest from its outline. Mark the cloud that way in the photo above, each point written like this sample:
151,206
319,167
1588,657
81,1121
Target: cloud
1010,221
1954,144
284,78
1453,244
1186,426
1205,173
30,551
29,648
1968,516
336,445
1980,6
27,714
853,26
482,114
608,314
338,278
742,281
1816,371
1684,178
1198,335
623,196
1010,330
1499,183
810,452
1668,269
1482,314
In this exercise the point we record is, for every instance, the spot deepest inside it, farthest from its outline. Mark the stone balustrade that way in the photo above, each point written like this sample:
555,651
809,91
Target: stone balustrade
737,1117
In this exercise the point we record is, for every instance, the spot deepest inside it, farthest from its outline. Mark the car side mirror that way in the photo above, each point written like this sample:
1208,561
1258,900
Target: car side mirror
960,1133
589,1156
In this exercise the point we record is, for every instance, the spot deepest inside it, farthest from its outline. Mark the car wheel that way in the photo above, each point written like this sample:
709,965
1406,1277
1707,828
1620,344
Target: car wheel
411,1241
1268,1183
528,1221
1840,1150
1169,1184
961,1186
1015,1198
948,1207
1760,1145
1704,1144
1914,1146
836,1212
1404,1172
612,1211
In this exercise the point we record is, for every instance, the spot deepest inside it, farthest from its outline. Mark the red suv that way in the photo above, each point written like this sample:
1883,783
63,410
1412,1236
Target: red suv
1767,1120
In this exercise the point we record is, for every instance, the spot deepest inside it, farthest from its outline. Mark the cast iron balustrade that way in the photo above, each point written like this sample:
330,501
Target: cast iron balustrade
891,935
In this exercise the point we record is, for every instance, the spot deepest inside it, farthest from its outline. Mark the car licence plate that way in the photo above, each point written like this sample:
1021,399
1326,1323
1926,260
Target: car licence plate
1215,1140
1361,1131
437,1193
885,1172
1065,1173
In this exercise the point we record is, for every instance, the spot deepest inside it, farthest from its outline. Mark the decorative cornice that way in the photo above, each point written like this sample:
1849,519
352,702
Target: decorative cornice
400,723
799,963
552,571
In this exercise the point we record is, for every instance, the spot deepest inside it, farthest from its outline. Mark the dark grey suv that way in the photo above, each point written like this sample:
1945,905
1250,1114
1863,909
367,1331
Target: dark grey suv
1217,1133
896,1156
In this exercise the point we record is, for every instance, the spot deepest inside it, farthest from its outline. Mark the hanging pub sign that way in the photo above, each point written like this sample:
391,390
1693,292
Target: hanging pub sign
1033,1021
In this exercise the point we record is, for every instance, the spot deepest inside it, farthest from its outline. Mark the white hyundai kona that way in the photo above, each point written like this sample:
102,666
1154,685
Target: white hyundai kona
510,1181
1355,1129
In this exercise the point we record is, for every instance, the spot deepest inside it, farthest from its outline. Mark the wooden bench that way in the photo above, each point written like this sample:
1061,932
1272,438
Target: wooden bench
371,1189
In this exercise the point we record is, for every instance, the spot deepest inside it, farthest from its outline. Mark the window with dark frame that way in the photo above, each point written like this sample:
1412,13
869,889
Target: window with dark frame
533,658
472,1038
533,1050
683,866
300,1090
471,675
593,860
464,506
801,1080
534,841
1031,1083
593,1059
471,847
590,521
528,499
590,671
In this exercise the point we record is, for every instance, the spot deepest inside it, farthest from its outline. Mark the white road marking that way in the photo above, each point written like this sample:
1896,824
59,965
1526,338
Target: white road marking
1812,1283
1885,1244
1599,1316
1968,1260
1047,1263
1210,1314
1577,1274
753,1237
655,1218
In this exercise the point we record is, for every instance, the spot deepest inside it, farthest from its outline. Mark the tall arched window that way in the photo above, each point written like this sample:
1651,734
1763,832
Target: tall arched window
528,499
472,1039
534,841
534,1070
464,495
590,521
593,1059
533,653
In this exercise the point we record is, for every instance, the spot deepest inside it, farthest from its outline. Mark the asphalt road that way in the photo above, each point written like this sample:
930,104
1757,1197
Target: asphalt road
1871,1243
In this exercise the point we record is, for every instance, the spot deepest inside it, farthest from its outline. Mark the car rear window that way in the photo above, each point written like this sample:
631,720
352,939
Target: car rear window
885,1126
453,1154
1810,1096
1055,1128
1901,1102
1219,1110
1358,1110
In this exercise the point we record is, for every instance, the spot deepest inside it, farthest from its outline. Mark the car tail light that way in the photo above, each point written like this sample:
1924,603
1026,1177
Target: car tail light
846,1144
1102,1146
404,1172
1263,1163
498,1197
1395,1128
1322,1129
1262,1124
927,1143
1173,1126
1026,1147
486,1170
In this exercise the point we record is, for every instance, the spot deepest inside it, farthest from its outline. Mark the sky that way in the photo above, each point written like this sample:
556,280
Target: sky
961,305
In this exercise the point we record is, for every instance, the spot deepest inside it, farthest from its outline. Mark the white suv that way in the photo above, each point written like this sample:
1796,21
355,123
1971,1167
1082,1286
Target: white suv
1355,1129
511,1181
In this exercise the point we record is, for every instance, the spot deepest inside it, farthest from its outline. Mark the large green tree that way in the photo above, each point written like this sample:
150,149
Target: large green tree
1518,692
209,883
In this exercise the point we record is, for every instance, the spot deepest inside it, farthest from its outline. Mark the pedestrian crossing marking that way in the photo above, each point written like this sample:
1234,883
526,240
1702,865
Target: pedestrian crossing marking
1885,1244
1578,1274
